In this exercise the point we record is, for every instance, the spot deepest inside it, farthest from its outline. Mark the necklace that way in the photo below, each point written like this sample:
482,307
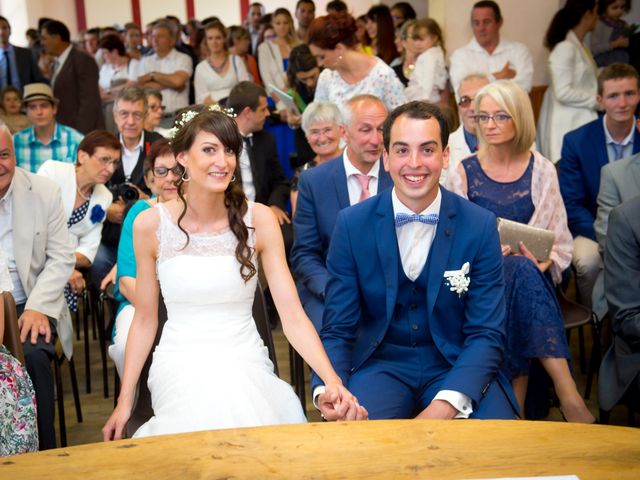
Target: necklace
408,70
220,68
82,195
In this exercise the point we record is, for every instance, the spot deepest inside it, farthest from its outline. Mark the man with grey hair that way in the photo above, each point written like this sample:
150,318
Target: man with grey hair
167,70
463,142
328,188
129,112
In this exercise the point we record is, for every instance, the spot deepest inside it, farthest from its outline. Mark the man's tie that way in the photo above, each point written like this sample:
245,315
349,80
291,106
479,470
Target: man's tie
7,61
404,218
363,180
618,150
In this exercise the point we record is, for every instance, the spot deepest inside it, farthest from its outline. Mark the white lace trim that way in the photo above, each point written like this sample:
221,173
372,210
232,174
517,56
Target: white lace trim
172,241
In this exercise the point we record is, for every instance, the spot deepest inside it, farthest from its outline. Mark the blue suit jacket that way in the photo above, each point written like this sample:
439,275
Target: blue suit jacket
363,286
584,153
322,193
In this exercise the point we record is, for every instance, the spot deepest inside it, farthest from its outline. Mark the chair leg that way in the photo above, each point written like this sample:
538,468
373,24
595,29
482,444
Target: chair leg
77,321
116,387
87,355
583,360
75,389
300,382
99,313
61,418
596,355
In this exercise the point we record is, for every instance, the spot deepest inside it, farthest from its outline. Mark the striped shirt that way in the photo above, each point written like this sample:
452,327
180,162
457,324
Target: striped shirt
31,152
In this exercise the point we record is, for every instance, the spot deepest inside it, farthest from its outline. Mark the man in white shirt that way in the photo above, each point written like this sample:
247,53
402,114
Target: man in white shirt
489,54
167,70
414,312
325,190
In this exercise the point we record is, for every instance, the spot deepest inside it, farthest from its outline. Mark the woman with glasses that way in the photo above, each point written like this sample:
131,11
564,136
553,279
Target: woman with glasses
519,184
86,199
161,174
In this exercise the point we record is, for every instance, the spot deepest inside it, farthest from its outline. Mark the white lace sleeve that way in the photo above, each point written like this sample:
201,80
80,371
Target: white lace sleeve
5,280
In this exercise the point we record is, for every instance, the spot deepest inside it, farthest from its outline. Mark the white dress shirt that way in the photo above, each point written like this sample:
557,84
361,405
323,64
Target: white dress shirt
245,170
6,240
59,63
130,157
625,147
173,62
353,185
472,58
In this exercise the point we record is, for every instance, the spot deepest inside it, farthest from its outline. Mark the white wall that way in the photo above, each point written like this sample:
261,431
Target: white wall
108,12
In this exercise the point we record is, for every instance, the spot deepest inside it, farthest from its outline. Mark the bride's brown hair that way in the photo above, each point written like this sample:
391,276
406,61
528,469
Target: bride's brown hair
225,128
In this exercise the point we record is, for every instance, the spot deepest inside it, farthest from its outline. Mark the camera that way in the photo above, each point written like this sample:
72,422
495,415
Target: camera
128,192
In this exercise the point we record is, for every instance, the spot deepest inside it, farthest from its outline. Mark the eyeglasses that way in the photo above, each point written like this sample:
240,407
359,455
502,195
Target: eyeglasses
465,101
498,118
164,171
155,108
123,115
108,161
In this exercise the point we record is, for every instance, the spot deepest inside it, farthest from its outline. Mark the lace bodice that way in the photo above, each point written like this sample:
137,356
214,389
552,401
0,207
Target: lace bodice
172,241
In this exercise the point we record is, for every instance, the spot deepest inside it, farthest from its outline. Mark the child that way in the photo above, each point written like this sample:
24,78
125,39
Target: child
11,102
429,78
610,38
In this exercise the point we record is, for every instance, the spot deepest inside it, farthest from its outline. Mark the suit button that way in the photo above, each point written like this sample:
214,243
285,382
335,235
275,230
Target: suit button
414,327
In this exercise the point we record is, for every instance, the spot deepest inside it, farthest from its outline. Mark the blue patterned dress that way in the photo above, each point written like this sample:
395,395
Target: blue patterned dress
535,328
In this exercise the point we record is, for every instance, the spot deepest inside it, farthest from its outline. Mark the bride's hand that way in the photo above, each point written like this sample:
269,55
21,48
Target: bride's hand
114,427
338,404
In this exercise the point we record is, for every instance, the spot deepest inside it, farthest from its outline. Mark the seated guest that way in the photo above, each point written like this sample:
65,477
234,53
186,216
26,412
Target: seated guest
46,139
321,124
463,142
347,71
127,183
18,426
429,78
584,152
85,199
154,113
490,53
325,190
239,43
402,340
167,70
621,364
162,173
518,184
570,100
40,257
220,71
74,79
11,112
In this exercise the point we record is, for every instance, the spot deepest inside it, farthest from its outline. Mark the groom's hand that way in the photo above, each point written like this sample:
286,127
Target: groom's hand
438,410
338,404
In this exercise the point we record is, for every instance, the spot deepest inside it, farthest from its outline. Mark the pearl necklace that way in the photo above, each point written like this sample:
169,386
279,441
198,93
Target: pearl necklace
82,195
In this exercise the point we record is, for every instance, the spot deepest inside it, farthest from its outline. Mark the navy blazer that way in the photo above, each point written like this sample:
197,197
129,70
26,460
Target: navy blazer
363,260
322,193
584,153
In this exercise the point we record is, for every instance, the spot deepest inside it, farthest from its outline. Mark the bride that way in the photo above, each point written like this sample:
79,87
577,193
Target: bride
210,369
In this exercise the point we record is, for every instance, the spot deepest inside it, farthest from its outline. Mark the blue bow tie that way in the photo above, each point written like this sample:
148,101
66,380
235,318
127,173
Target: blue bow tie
404,218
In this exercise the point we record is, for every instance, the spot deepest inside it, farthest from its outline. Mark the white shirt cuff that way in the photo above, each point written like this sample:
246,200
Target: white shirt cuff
320,389
458,400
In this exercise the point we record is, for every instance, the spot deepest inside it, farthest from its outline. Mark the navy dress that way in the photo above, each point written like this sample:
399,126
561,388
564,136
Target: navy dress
535,328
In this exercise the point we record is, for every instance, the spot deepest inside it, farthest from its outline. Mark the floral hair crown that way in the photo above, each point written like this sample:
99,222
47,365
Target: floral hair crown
186,117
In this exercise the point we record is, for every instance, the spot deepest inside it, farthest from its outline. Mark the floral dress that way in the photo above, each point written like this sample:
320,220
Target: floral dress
18,428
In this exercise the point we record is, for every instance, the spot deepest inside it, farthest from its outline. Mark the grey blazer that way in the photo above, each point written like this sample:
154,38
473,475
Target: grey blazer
42,249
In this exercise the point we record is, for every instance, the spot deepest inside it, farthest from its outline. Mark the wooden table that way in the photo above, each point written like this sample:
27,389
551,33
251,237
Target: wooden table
376,449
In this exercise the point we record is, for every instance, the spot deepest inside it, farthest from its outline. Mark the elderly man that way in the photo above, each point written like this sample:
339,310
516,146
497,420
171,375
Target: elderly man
325,190
488,53
74,80
167,70
46,139
35,239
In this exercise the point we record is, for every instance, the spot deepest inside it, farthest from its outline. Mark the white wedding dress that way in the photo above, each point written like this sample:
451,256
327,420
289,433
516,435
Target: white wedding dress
210,369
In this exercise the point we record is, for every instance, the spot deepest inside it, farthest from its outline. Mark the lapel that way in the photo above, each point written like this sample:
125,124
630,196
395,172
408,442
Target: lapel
384,179
598,154
636,141
634,168
439,254
64,68
340,183
387,245
137,172
23,223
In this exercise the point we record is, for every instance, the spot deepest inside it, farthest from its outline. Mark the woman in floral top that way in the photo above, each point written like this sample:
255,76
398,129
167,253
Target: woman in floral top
18,430
349,72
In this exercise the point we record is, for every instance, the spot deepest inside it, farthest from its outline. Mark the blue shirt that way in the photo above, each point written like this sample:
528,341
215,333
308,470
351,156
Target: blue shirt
31,152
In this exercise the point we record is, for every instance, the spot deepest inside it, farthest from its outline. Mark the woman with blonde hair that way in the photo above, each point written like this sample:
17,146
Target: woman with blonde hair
520,185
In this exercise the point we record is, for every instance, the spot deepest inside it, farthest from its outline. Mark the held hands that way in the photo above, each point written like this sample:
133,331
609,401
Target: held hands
32,324
114,427
438,410
338,404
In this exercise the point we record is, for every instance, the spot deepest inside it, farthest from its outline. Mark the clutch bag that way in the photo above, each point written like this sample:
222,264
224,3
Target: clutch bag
539,241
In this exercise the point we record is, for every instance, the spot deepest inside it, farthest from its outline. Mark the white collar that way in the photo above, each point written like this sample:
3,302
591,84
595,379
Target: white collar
479,48
609,139
350,169
63,57
137,147
399,207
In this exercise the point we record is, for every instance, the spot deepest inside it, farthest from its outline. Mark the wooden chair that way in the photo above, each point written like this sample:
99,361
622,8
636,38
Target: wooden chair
57,362
578,316
11,338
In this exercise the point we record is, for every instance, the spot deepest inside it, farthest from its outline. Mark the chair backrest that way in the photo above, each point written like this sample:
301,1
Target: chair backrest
11,338
261,317
574,314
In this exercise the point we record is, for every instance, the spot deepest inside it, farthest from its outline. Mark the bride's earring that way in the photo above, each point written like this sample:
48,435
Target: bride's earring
185,178
233,179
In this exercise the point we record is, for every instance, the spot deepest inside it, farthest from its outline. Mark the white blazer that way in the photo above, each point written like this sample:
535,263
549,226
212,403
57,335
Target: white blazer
570,100
271,67
85,235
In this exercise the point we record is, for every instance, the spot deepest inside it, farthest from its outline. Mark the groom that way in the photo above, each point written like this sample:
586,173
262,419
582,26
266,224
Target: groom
414,312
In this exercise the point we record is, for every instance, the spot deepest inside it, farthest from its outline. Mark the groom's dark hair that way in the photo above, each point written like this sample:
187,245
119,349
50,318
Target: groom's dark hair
417,110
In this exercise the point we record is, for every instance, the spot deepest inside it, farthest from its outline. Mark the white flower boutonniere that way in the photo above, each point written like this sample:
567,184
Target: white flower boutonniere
457,280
